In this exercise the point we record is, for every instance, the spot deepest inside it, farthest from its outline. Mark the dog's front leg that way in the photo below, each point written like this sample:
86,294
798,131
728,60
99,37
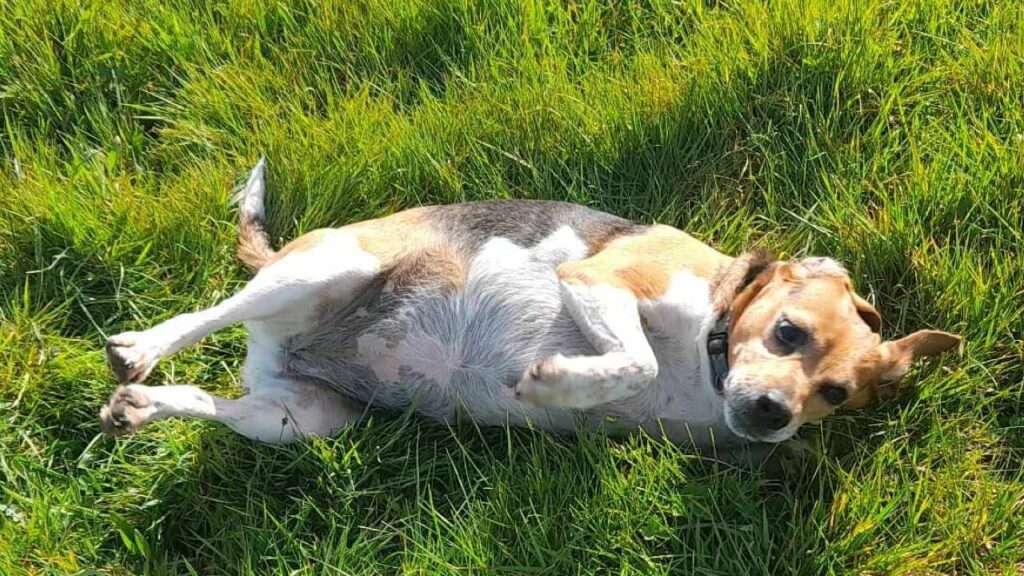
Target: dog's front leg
610,319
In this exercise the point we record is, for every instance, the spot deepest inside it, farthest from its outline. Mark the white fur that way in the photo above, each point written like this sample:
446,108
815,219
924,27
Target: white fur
287,414
504,282
296,284
498,263
683,317
560,246
250,197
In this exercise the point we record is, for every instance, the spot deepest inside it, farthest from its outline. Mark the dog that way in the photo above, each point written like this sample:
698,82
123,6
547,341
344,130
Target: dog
528,313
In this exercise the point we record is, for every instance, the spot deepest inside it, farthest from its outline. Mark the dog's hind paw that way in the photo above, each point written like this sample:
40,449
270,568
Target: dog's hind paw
128,410
128,360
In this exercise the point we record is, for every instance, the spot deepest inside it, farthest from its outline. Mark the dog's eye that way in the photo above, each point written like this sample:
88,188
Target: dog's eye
834,394
790,335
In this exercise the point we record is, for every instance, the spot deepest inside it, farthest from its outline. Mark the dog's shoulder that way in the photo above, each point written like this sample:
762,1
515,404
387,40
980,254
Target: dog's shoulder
645,263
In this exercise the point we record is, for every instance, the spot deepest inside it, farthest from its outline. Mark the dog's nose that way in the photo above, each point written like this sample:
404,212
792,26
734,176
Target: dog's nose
768,414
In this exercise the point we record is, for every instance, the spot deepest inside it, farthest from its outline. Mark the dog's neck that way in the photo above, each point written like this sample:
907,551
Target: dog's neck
676,323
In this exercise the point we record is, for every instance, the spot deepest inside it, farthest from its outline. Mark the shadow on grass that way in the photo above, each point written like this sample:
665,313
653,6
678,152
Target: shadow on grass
396,492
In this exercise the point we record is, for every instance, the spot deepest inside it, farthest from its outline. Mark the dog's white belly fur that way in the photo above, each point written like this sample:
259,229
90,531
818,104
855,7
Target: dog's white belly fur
444,351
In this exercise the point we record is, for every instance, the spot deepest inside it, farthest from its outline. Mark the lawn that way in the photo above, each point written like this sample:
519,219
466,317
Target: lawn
887,134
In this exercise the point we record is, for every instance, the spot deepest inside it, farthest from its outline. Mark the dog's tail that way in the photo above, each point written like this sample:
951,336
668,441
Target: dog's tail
253,242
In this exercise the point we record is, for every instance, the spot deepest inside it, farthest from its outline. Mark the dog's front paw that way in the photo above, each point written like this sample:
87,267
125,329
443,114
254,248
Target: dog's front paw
129,408
545,383
128,358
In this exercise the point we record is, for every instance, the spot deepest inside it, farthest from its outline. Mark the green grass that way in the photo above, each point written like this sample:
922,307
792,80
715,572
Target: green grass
889,135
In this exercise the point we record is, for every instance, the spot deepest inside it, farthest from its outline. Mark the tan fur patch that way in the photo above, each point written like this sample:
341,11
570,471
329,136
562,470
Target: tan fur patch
305,242
410,252
387,238
436,267
253,247
644,263
393,236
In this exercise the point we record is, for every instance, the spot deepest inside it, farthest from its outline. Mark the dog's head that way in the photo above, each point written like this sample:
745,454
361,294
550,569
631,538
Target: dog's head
802,343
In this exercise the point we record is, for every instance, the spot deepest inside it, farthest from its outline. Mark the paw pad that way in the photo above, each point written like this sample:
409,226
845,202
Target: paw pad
126,412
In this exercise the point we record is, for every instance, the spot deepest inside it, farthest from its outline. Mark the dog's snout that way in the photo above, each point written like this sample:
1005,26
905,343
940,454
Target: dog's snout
767,413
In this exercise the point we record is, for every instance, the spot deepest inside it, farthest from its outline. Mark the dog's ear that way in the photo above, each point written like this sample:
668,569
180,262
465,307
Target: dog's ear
892,360
896,356
737,283
867,312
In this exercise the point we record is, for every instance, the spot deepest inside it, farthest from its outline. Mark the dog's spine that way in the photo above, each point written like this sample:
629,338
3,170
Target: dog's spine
254,248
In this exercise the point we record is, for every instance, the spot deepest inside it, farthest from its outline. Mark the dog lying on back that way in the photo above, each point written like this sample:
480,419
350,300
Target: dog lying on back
525,313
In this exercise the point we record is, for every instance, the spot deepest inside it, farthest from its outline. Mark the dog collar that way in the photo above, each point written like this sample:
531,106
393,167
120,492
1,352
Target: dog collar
718,353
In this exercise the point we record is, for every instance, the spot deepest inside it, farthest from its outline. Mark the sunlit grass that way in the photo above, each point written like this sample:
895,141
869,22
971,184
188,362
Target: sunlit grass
889,135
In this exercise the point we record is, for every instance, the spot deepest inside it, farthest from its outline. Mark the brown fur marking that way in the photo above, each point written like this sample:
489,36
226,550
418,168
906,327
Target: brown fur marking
644,263
437,267
387,238
732,280
253,247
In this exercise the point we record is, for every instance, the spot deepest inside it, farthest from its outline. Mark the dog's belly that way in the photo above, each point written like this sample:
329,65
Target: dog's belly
443,349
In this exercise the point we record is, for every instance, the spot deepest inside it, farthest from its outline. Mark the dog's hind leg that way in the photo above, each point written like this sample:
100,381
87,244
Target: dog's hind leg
282,413
284,295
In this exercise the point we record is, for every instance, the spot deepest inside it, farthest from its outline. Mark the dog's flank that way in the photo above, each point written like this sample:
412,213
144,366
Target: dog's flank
523,312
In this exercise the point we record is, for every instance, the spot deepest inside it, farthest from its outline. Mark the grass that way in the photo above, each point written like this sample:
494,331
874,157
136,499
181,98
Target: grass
889,135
